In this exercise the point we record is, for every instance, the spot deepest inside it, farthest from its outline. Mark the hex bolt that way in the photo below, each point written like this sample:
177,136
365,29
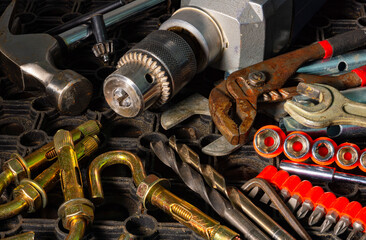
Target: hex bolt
256,79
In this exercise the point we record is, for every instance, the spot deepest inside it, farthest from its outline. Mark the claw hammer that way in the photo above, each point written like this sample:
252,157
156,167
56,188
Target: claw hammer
30,59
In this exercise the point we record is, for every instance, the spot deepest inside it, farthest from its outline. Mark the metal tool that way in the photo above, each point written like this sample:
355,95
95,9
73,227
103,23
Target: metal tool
277,202
310,198
346,217
245,86
220,147
321,173
30,195
211,196
297,146
192,105
334,211
22,236
333,108
323,151
359,221
237,198
321,207
336,65
18,168
335,131
347,156
221,34
268,141
362,165
104,47
289,186
67,90
298,196
76,212
152,191
267,173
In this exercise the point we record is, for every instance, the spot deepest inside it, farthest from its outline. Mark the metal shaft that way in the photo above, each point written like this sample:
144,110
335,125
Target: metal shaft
236,197
70,175
196,182
322,173
86,17
113,17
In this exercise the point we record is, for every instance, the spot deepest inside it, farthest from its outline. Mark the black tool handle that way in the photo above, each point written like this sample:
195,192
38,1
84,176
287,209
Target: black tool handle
347,41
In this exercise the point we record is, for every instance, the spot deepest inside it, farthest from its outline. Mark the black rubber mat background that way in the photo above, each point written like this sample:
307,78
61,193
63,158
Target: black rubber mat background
27,122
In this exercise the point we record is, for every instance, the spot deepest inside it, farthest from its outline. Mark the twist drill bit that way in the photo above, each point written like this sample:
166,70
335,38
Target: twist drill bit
211,196
152,191
76,212
236,197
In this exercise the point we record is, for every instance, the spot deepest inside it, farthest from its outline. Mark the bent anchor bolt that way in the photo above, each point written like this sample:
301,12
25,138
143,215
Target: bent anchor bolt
236,197
76,212
152,191
17,167
30,195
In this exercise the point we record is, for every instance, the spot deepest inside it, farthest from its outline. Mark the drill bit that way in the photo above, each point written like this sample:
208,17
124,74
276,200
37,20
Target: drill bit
237,198
211,196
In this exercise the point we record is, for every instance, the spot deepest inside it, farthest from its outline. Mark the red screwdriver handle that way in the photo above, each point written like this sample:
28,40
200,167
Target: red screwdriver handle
314,194
279,178
351,209
302,189
291,183
339,205
326,200
267,173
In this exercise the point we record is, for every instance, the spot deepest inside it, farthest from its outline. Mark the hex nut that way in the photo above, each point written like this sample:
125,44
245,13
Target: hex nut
30,194
144,189
76,208
18,168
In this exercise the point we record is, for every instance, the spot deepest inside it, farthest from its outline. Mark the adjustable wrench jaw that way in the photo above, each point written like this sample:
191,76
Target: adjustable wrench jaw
235,100
29,60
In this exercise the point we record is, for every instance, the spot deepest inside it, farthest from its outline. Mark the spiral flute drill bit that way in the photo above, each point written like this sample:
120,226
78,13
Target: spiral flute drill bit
236,197
211,196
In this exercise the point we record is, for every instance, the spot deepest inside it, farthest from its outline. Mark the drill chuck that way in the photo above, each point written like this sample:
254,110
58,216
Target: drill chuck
150,73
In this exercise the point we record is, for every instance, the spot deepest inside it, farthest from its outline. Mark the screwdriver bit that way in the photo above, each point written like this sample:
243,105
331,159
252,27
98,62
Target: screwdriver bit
333,213
321,207
311,198
347,216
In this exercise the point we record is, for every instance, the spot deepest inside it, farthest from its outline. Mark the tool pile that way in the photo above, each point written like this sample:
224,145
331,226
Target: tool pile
191,119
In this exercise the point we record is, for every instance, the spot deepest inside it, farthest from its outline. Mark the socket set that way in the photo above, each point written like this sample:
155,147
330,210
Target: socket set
28,121
270,141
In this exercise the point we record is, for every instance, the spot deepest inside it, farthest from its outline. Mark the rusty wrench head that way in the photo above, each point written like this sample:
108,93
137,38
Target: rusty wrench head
333,108
29,60
238,95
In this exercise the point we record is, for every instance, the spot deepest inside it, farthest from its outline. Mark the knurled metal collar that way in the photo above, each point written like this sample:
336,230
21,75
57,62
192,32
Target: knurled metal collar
144,188
39,189
18,174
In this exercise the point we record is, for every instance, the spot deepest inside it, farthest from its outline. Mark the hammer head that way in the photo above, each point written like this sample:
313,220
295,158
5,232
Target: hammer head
29,59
